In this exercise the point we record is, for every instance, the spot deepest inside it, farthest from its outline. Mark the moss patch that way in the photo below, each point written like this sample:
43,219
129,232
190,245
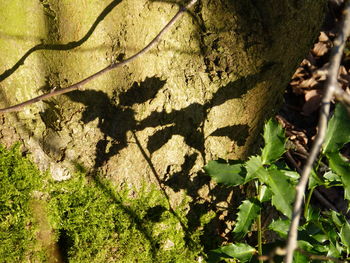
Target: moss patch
85,219
19,178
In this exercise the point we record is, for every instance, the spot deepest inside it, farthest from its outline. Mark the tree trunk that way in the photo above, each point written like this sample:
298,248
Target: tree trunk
203,93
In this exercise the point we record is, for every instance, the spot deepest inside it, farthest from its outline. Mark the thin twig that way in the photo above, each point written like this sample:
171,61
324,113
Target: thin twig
342,96
81,83
336,55
320,257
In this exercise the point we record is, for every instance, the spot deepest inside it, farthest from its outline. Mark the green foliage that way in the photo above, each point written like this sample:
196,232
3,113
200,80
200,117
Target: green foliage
322,233
223,172
99,224
91,220
240,251
248,211
338,131
18,180
274,142
338,134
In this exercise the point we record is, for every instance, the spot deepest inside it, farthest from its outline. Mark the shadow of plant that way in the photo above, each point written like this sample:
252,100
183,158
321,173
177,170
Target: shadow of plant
114,121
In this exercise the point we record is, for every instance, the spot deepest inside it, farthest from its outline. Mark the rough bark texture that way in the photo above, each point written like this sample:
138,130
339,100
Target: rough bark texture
202,94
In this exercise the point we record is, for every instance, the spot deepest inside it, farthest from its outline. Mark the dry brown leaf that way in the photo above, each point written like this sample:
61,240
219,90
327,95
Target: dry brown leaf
323,37
312,101
342,70
308,83
320,48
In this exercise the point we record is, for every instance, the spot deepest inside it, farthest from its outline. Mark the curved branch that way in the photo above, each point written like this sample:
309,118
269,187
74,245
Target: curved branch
81,83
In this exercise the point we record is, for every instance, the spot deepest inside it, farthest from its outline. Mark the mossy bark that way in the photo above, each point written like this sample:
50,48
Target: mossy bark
203,93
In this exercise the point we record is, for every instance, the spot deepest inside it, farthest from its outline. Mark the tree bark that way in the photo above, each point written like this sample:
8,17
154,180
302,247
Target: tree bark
203,93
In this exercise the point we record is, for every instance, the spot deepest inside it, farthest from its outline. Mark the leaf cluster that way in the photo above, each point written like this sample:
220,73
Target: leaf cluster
323,233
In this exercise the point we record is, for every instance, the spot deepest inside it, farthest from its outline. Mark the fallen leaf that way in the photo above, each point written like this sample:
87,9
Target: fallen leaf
312,101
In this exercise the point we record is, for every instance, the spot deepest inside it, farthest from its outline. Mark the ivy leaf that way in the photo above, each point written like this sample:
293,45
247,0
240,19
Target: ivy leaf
345,236
339,165
338,131
274,142
281,227
240,251
283,191
223,172
248,211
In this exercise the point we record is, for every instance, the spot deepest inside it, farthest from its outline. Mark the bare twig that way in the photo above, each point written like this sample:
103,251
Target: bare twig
81,83
320,257
342,96
336,55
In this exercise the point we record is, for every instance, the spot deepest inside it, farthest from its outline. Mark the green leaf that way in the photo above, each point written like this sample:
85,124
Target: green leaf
240,251
229,174
338,131
248,211
330,176
334,250
314,180
335,218
281,227
274,142
254,167
342,168
265,194
300,258
345,236
283,191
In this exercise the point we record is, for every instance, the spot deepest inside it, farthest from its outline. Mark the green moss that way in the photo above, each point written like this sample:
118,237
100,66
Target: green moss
85,219
97,224
18,180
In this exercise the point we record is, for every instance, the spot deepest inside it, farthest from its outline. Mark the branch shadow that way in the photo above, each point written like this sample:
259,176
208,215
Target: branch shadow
61,47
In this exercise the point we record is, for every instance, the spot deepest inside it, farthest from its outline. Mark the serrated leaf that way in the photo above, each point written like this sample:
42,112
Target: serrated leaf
281,227
229,174
240,251
342,168
345,236
338,131
283,192
255,168
274,142
248,211
265,194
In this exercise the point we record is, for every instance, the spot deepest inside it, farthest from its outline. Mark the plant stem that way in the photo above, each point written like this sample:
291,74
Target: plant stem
308,202
258,222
